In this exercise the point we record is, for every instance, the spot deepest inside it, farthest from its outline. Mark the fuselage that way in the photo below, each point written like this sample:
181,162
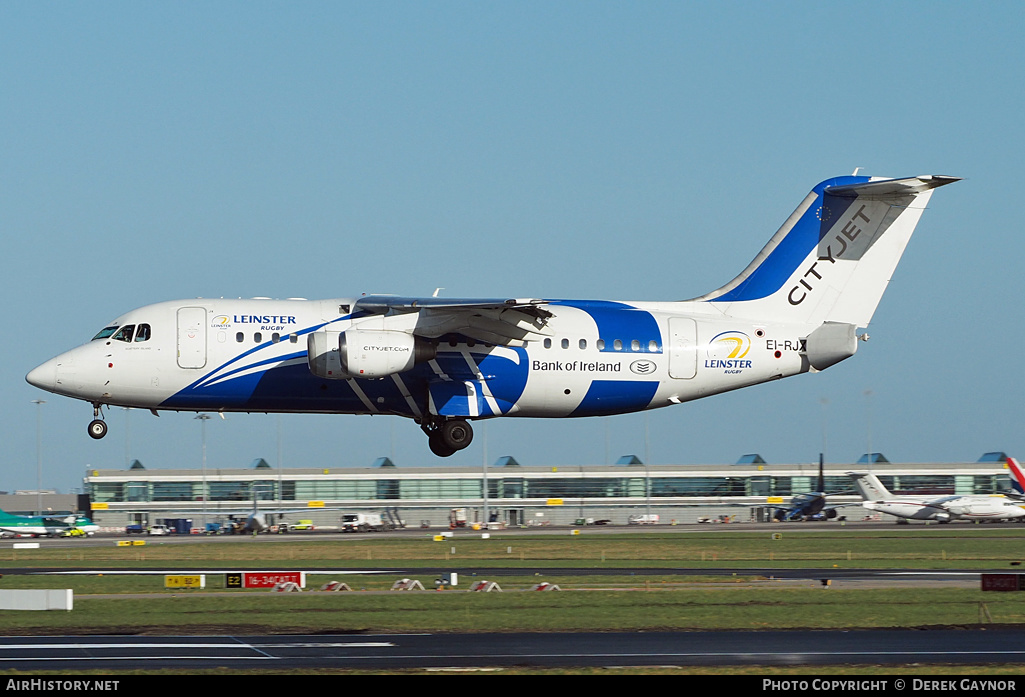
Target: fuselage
594,358
803,506
41,525
948,508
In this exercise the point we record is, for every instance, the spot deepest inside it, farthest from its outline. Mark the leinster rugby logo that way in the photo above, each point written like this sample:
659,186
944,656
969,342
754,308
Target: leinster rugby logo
728,351
221,321
643,367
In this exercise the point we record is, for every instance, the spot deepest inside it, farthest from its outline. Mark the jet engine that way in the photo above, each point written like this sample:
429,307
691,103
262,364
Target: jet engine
363,353
831,343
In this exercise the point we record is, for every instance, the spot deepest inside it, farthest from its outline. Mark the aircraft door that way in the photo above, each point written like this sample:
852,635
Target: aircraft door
683,348
191,337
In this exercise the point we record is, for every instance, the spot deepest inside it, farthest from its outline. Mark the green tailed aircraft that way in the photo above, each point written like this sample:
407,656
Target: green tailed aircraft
43,526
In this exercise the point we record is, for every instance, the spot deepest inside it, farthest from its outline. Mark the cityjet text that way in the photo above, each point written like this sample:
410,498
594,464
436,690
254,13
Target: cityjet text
848,233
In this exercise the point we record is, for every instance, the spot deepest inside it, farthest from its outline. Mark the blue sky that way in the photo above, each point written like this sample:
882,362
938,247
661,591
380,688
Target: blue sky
630,151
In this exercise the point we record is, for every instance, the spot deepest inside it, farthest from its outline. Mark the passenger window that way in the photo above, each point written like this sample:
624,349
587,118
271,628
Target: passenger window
257,337
275,337
125,333
294,338
618,345
653,346
600,344
565,343
548,343
240,337
583,343
143,333
635,345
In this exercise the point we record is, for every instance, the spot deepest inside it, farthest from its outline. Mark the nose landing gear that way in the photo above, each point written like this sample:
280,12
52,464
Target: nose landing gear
97,427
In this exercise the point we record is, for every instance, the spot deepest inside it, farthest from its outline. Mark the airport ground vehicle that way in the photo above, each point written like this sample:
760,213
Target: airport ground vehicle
643,519
159,530
301,525
457,518
363,522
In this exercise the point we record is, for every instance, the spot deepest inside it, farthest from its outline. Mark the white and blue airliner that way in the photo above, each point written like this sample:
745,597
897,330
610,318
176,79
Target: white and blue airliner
443,362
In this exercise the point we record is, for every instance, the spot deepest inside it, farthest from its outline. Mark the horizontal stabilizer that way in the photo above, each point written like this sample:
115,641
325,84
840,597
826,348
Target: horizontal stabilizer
891,188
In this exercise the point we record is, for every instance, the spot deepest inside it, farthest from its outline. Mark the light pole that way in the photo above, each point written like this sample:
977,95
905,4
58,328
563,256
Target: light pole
203,418
39,454
647,469
128,442
484,472
281,493
868,407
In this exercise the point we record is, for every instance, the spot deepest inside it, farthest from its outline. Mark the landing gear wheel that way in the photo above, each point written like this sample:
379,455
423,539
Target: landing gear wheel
97,428
456,434
437,447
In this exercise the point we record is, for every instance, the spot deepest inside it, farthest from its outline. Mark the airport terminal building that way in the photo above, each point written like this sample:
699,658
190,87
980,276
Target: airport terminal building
507,492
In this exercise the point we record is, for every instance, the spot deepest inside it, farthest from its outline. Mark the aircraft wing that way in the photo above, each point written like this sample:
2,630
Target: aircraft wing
505,322
66,521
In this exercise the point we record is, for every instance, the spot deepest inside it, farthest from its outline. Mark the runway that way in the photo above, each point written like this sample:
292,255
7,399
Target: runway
424,651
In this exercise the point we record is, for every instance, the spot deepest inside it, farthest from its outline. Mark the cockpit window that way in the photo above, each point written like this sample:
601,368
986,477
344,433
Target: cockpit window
125,333
143,334
105,332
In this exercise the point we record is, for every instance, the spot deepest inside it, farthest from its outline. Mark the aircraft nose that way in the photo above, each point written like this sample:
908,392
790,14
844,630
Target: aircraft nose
44,377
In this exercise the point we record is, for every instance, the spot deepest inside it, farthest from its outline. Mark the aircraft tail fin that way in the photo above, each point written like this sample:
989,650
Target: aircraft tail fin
1017,476
869,486
834,256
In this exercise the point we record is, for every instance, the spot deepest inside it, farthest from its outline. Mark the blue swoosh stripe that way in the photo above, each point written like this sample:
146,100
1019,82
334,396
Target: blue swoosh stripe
769,276
616,320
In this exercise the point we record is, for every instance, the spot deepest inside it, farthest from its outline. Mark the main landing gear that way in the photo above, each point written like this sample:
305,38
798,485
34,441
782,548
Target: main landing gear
97,427
446,437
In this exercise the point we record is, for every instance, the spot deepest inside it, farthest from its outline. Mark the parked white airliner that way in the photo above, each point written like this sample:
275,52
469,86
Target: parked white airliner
444,362
942,509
